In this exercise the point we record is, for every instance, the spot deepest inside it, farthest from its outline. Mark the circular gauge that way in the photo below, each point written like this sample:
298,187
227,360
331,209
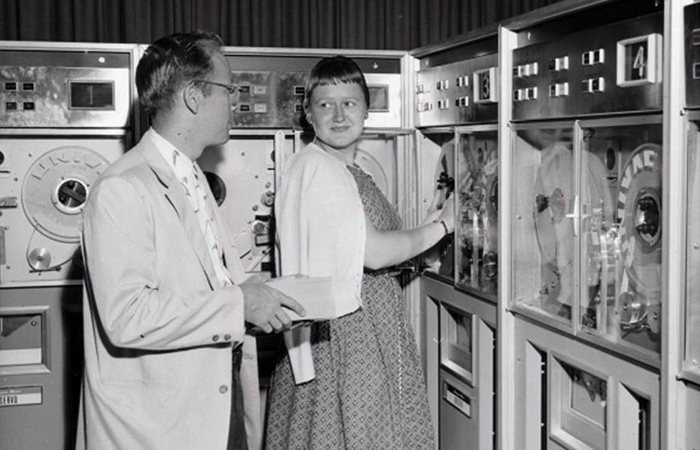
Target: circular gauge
217,186
56,187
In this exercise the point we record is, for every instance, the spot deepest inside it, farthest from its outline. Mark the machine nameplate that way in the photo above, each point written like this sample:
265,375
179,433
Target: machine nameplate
31,395
457,399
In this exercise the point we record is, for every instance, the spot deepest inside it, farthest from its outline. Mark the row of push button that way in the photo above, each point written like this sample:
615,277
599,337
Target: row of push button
443,85
532,69
15,106
558,64
591,85
14,86
443,104
561,63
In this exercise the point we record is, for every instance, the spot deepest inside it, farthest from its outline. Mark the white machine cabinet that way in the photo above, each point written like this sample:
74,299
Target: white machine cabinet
582,170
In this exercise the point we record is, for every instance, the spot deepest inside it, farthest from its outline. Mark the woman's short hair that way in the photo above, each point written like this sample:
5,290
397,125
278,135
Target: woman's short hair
336,70
170,63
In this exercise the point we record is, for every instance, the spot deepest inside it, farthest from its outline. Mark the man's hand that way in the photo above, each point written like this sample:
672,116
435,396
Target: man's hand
263,306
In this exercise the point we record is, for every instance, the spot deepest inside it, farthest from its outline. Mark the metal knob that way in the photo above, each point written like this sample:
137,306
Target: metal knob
268,199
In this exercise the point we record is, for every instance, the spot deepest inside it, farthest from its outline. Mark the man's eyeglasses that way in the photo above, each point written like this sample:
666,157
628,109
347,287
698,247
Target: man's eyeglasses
232,90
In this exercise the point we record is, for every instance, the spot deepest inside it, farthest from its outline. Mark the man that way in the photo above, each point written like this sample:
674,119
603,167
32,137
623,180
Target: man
166,296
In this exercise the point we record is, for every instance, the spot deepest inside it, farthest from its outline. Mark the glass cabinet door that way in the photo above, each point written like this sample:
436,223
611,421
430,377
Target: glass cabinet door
692,275
476,228
438,183
621,212
543,234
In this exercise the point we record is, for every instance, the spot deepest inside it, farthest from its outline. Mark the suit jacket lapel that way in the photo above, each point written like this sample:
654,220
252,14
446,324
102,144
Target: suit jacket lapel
176,197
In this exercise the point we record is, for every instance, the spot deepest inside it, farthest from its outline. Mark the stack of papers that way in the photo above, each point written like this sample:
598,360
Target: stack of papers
314,293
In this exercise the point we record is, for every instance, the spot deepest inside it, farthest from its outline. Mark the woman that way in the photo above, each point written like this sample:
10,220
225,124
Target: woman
365,388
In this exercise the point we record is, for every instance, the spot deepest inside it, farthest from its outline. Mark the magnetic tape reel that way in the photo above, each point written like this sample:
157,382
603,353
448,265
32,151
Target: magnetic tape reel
554,201
54,192
639,216
478,216
556,216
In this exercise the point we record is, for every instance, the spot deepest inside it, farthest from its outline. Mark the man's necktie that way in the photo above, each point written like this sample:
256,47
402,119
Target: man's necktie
193,181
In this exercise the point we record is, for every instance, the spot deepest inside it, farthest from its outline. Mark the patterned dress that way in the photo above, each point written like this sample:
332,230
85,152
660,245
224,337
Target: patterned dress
369,391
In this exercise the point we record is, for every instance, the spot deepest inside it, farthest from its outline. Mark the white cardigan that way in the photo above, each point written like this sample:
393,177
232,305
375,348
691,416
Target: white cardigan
321,231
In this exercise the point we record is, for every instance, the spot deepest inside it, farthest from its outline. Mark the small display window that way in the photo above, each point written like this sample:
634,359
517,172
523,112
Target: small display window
486,86
22,340
378,98
639,60
91,95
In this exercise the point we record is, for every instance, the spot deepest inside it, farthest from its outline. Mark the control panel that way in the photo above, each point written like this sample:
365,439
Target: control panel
615,68
457,93
64,89
272,89
269,98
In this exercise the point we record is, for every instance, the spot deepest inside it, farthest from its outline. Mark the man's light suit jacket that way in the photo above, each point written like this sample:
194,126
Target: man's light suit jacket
158,330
